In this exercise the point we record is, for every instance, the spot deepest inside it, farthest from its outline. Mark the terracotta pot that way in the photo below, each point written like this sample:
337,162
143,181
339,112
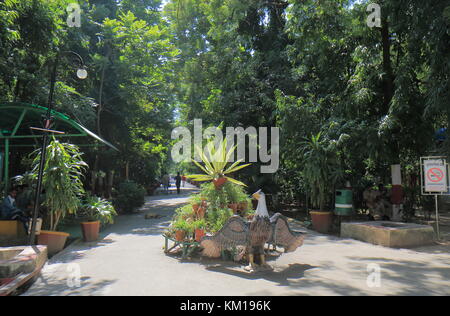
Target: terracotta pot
55,241
243,206
218,183
199,234
201,212
234,207
91,231
322,221
180,235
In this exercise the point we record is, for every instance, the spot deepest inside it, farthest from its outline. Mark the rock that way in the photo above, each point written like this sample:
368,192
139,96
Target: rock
152,216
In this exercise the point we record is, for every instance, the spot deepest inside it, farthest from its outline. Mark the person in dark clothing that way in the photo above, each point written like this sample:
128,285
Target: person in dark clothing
10,211
178,182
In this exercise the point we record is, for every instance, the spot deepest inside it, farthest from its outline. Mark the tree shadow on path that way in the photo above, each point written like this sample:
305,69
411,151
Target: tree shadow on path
292,272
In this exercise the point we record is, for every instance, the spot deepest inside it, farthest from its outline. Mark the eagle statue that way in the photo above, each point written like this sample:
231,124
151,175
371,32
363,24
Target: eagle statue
253,235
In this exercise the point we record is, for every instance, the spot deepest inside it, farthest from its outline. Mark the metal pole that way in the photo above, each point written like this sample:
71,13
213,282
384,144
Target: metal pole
6,175
437,218
47,123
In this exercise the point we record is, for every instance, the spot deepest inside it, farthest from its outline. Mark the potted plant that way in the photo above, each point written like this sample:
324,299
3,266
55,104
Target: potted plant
196,202
216,166
232,195
182,228
199,229
320,172
243,201
234,207
63,170
185,213
201,212
98,212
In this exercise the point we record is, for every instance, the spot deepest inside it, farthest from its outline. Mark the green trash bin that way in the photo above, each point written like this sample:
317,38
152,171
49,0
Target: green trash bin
344,203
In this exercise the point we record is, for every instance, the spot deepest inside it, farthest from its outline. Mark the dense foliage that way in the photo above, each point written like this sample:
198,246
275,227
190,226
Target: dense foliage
130,196
127,98
98,209
218,206
376,95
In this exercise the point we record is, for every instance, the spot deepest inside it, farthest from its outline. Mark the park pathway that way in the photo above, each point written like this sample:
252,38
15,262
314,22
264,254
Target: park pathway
130,261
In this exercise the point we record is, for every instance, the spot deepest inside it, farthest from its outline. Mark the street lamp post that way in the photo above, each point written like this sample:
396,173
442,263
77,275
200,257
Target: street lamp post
82,74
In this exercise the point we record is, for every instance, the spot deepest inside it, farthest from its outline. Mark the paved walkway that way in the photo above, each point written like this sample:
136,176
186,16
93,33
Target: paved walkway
130,261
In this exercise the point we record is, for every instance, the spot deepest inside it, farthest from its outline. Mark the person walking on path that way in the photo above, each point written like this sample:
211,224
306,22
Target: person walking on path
166,181
178,182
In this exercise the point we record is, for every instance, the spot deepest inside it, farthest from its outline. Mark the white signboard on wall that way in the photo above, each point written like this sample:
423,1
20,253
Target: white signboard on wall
435,175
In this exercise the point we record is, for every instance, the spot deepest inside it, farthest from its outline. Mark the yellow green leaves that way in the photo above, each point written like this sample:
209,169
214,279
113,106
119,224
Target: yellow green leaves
217,163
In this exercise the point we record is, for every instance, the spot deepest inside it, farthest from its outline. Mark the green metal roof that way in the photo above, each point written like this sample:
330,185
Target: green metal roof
17,118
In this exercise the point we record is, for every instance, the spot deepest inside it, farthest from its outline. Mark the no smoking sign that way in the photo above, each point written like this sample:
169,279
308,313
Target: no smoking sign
435,176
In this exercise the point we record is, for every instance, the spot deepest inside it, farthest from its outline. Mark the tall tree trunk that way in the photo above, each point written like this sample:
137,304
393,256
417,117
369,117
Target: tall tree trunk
110,184
100,99
94,180
101,184
388,78
388,82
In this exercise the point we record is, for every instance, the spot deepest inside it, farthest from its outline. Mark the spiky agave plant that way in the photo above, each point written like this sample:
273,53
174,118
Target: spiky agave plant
216,164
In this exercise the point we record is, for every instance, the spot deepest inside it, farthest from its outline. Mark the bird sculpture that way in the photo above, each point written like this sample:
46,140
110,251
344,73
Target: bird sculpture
253,235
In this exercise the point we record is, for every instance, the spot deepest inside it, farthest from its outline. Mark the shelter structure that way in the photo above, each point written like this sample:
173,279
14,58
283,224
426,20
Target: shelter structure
16,121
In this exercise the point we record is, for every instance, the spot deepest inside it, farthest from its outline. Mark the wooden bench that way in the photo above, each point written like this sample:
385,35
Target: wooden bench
11,229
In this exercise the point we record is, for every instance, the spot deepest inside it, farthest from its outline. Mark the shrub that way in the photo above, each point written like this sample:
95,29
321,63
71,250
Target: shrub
184,213
129,197
199,224
62,179
183,225
217,217
98,209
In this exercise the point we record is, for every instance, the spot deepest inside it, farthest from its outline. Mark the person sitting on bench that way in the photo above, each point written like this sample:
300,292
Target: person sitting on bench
11,212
